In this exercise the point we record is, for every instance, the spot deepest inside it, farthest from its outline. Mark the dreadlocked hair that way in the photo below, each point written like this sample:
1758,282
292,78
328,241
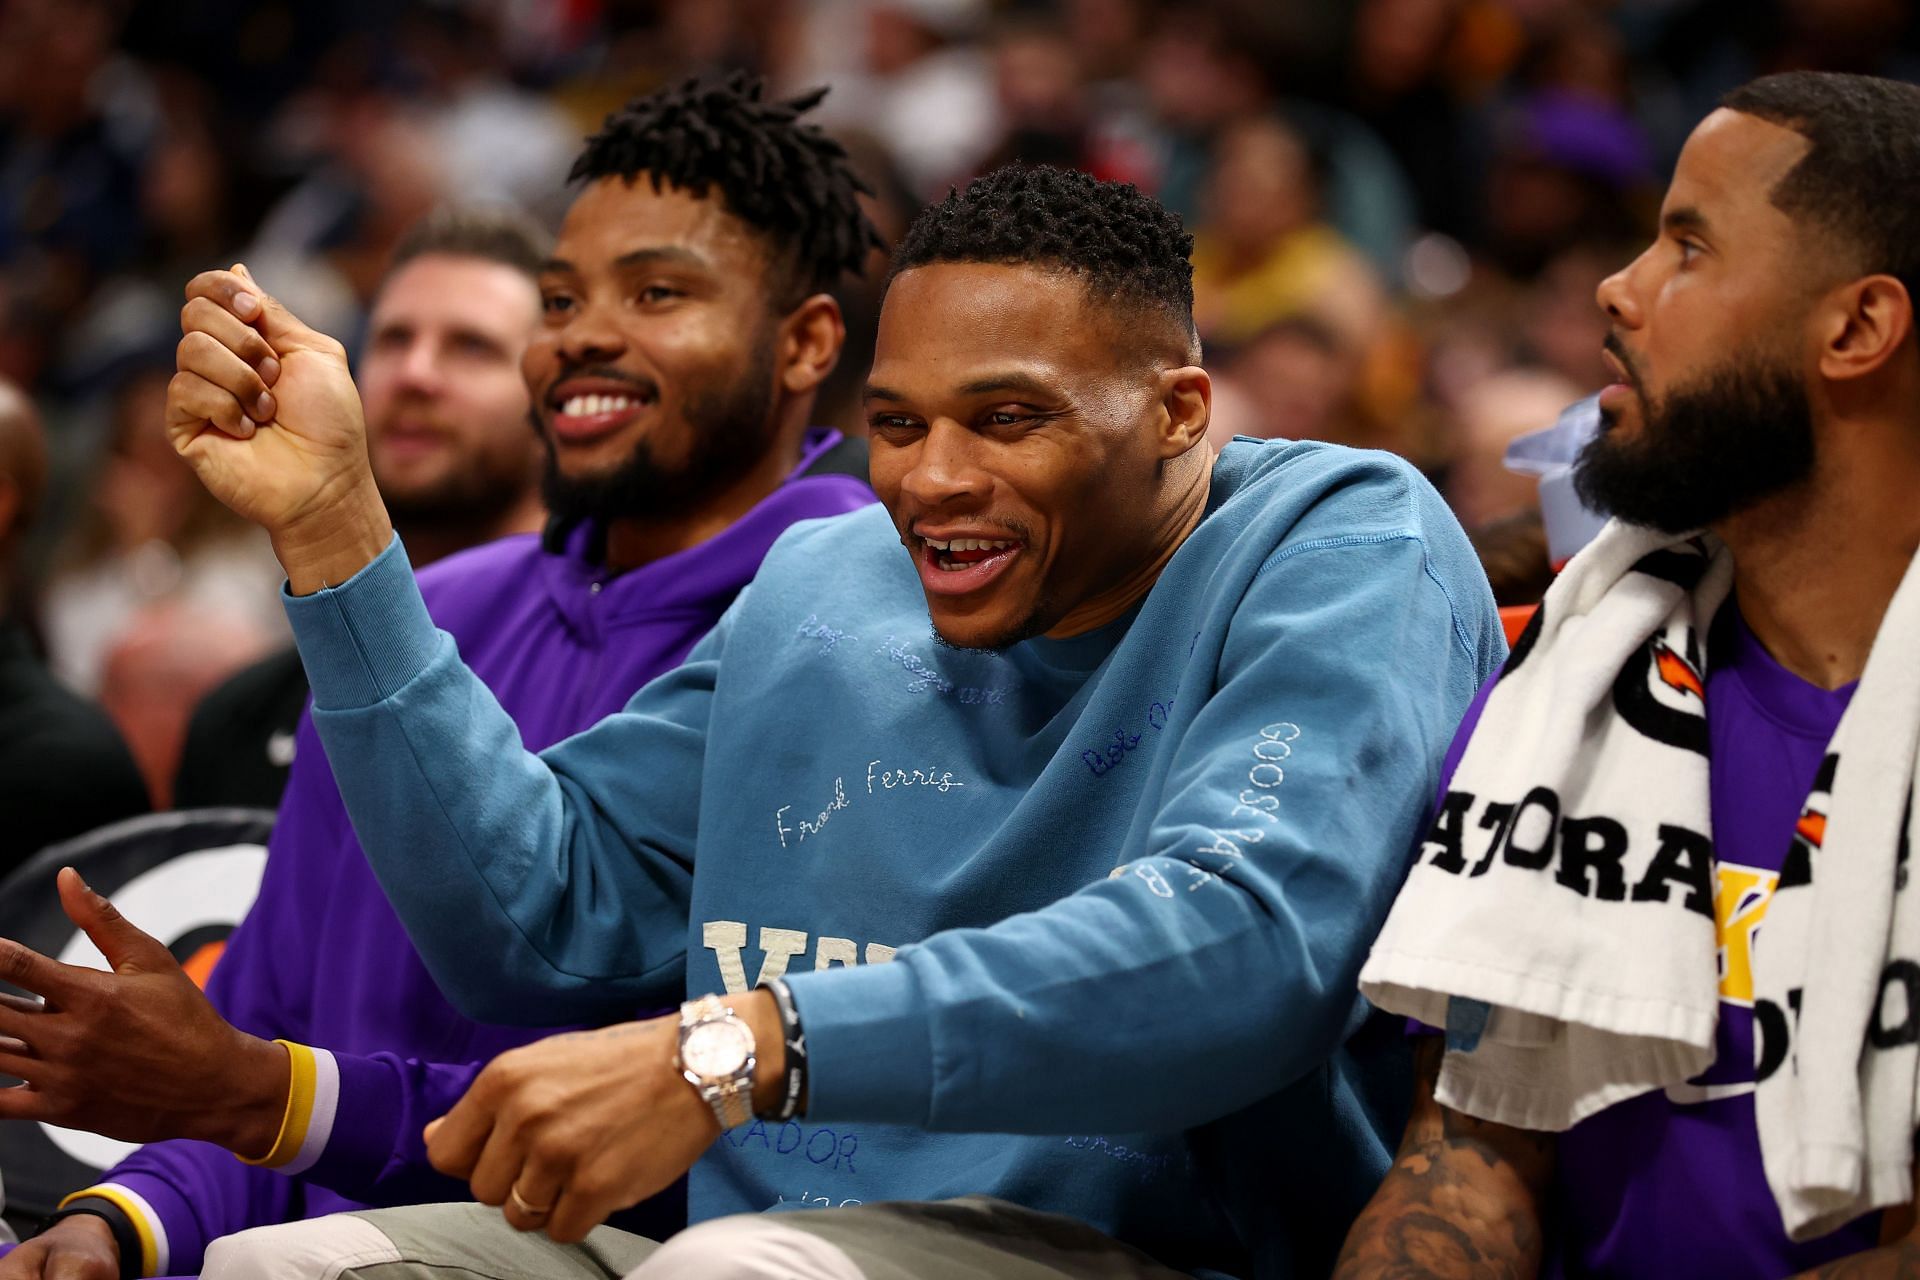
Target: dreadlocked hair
1124,245
788,181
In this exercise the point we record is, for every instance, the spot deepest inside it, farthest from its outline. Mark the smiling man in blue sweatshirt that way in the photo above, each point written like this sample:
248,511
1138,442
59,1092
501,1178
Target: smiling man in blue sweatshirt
1057,906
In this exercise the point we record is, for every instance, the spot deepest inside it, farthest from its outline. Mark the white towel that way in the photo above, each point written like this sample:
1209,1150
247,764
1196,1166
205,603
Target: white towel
1564,896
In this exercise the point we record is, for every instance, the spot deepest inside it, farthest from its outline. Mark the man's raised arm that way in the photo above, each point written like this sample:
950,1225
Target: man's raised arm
482,847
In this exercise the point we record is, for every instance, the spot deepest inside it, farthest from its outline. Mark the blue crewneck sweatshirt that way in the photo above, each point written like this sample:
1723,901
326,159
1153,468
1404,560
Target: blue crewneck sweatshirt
1122,884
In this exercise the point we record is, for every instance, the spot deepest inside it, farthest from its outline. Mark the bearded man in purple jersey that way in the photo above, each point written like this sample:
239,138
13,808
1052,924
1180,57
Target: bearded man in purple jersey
1768,392
687,325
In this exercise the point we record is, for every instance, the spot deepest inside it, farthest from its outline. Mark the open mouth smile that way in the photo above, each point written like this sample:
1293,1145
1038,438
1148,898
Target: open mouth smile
583,416
956,566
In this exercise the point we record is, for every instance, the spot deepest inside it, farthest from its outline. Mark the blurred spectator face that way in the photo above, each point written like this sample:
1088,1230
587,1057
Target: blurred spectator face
158,670
1106,34
1398,43
652,374
1563,327
183,188
144,490
1709,411
1296,380
49,52
896,39
1194,78
1038,78
445,400
1261,187
1492,412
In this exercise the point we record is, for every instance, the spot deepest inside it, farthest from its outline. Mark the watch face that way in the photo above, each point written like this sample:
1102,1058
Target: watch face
715,1050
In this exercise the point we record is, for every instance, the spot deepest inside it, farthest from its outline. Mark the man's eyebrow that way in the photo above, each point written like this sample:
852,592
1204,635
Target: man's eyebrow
1024,384
1684,219
478,335
664,255
1020,382
657,255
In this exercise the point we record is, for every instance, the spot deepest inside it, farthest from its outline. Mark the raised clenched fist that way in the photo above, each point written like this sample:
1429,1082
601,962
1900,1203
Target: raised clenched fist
265,411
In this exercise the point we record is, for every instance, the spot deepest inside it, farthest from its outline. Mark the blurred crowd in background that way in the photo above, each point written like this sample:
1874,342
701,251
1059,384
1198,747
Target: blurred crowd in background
1401,209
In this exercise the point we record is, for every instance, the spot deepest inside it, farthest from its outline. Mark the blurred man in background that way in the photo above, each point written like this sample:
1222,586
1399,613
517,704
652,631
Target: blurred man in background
63,768
686,331
448,439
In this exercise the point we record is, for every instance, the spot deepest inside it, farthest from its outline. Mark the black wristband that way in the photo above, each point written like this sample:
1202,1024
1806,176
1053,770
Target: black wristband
796,1042
126,1236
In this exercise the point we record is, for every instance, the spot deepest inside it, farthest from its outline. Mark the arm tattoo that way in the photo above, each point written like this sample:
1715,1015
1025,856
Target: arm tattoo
1463,1199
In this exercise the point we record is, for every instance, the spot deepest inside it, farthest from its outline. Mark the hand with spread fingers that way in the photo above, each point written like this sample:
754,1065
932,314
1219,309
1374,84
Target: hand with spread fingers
138,1053
570,1129
265,411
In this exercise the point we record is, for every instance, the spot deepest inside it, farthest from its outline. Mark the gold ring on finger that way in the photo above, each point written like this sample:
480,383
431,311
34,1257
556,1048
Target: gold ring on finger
520,1203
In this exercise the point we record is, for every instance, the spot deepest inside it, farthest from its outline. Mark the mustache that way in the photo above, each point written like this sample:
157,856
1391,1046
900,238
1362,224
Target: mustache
1011,531
647,387
1618,350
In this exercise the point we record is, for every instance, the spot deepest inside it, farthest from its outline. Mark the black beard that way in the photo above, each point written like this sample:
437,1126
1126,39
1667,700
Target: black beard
1704,452
730,427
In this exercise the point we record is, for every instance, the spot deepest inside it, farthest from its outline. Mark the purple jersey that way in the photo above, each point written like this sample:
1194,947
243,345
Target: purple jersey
1670,1184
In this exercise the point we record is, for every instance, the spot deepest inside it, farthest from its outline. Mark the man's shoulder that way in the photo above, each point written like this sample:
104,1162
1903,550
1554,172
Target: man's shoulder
864,532
1329,513
1297,494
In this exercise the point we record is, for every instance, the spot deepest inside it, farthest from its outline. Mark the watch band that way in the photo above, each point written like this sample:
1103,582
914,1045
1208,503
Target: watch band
732,1102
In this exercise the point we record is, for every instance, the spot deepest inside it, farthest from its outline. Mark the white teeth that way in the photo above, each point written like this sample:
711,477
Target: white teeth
967,544
587,406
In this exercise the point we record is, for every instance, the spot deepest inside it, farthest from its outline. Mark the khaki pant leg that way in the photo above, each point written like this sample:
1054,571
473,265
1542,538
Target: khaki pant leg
974,1238
419,1242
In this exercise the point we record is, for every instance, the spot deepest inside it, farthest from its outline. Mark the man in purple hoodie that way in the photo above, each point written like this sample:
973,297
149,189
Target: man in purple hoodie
687,327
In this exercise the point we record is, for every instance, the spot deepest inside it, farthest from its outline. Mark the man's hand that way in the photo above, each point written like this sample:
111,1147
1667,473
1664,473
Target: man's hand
265,411
578,1126
76,1248
137,1054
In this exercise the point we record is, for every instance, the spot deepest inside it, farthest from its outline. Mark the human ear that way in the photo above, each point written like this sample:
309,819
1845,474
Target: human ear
810,340
1862,324
1186,399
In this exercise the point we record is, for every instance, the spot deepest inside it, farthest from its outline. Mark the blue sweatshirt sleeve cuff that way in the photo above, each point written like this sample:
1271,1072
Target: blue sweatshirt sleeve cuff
366,638
869,1044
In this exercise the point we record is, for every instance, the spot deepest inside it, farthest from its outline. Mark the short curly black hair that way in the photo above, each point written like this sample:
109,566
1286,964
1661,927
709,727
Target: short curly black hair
787,180
1126,246
1859,180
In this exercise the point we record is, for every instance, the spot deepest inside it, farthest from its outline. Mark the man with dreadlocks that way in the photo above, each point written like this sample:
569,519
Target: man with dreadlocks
1055,915
686,328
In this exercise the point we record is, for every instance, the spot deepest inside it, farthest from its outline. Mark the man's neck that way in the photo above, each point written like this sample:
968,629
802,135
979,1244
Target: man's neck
633,541
436,539
1815,567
